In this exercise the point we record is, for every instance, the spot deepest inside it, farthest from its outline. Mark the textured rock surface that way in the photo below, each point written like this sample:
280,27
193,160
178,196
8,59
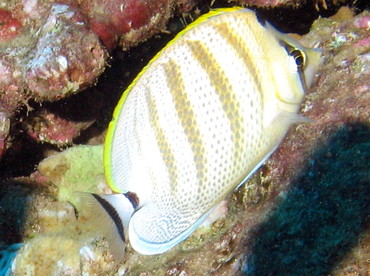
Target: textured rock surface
127,22
50,54
56,53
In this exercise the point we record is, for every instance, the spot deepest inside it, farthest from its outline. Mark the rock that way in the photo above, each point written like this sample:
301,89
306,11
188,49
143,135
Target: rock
55,243
319,172
46,53
53,129
126,22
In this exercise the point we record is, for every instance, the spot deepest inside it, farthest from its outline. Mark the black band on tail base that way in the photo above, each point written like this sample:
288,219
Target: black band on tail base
112,212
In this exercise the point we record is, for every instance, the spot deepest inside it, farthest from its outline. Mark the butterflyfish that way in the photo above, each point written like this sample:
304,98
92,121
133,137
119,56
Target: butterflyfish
195,124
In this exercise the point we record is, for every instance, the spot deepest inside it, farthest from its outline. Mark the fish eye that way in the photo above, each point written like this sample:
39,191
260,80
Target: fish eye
298,57
300,61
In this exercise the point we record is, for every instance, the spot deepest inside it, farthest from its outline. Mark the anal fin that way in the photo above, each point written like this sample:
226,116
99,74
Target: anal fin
166,230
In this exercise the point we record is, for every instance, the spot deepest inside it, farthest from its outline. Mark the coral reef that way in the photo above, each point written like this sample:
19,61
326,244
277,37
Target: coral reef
31,212
306,212
323,209
323,216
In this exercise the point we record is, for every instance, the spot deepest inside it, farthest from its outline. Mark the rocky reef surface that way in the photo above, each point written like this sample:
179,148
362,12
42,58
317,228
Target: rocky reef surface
306,212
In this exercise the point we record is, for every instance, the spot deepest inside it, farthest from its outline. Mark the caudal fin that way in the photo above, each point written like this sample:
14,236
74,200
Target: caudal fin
109,216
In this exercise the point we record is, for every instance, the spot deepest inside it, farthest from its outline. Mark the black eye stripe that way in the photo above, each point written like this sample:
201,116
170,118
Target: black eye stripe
299,58
297,54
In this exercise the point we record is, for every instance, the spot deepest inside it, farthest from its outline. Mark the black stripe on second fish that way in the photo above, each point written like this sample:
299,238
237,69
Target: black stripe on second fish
112,213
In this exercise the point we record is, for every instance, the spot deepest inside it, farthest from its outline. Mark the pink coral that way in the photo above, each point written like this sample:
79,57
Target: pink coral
9,26
126,22
47,53
51,128
363,42
67,56
363,22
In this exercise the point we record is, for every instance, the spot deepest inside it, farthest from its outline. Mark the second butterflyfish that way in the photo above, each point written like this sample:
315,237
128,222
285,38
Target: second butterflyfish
195,124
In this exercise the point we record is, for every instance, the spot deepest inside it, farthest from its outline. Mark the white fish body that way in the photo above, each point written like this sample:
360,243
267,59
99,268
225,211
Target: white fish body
205,113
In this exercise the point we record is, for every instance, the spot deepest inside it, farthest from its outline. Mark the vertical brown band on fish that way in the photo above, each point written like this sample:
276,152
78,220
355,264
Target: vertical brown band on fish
135,122
242,51
138,141
224,90
164,147
112,212
186,115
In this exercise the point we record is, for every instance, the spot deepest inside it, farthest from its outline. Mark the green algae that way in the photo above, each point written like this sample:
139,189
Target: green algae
79,168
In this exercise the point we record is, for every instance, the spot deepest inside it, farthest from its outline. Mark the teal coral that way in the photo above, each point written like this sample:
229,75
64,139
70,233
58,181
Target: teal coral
7,255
